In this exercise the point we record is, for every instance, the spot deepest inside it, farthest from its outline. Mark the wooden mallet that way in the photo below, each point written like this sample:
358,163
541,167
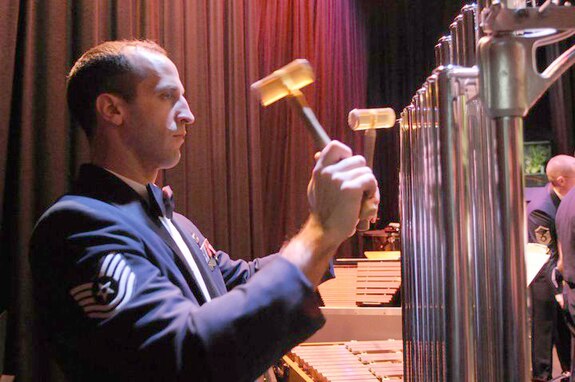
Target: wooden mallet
286,82
369,120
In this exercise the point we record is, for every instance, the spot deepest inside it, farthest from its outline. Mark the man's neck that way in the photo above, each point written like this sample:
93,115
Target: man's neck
136,175
125,165
558,192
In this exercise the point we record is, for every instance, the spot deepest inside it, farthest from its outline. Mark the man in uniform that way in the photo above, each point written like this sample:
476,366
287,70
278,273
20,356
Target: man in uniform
548,326
129,290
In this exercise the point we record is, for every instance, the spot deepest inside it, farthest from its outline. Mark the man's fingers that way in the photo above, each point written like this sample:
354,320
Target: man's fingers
347,164
342,190
365,183
351,174
334,152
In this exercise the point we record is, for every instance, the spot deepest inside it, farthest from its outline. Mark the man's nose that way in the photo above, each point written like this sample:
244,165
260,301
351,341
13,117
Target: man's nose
185,116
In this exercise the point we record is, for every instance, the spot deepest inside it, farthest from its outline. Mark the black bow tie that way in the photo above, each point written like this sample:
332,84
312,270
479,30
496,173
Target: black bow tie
161,200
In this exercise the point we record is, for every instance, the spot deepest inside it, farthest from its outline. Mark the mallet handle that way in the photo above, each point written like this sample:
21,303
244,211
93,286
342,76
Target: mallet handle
314,127
318,133
368,150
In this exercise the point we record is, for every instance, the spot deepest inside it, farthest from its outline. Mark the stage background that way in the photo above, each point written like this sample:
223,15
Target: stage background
244,169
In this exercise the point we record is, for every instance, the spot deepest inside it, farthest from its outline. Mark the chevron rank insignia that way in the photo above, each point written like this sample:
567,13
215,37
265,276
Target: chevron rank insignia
110,290
543,235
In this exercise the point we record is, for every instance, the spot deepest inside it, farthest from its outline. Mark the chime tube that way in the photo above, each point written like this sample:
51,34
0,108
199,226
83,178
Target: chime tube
437,291
459,30
469,33
421,250
509,135
454,43
460,363
420,238
404,200
483,178
437,54
445,51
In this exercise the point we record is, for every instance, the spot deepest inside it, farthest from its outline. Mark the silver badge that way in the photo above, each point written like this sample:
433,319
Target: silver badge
210,254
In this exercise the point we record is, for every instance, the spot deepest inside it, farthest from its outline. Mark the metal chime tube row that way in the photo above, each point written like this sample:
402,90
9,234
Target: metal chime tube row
461,192
438,285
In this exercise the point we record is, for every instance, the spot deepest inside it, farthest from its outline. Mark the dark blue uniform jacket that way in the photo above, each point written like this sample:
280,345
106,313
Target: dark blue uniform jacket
541,220
565,221
119,303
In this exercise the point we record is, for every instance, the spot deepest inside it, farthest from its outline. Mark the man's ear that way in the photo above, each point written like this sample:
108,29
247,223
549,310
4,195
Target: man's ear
560,180
110,108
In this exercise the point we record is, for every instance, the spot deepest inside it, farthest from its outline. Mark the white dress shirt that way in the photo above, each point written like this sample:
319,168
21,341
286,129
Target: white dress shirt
174,233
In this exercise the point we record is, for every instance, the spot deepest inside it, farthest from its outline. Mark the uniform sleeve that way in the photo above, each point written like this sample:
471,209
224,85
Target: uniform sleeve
541,230
237,272
107,306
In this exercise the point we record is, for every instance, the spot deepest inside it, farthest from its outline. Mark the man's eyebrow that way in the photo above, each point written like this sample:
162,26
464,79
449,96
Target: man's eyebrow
171,88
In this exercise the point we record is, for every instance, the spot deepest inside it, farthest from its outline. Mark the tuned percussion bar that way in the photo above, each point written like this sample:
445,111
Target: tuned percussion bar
461,176
359,361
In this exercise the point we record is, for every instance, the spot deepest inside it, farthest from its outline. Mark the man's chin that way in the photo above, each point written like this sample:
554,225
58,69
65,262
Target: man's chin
172,162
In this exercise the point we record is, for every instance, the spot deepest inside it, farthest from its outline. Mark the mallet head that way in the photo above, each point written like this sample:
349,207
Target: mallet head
367,119
284,81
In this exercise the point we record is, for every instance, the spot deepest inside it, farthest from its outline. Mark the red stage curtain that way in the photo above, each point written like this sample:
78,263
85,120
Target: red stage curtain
244,170
330,36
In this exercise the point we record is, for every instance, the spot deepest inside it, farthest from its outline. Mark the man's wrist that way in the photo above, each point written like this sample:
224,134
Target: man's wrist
310,250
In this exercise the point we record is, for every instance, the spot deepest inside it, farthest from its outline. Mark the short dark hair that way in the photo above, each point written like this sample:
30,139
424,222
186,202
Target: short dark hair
104,68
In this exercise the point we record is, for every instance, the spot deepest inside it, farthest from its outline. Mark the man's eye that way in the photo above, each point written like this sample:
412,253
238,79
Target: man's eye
167,96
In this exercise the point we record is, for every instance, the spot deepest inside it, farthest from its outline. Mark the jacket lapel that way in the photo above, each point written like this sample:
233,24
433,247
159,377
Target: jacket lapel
156,225
199,258
90,181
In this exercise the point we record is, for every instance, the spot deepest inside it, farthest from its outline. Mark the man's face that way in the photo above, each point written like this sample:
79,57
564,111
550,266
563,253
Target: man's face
156,120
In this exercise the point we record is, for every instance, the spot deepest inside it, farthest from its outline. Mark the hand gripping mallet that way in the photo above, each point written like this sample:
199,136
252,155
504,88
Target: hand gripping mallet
369,120
286,82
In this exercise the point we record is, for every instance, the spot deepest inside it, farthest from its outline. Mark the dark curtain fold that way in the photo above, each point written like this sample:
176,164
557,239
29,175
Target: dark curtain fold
9,31
244,170
331,35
